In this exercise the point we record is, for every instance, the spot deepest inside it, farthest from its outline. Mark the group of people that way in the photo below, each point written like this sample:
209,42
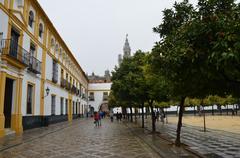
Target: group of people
160,115
97,118
118,116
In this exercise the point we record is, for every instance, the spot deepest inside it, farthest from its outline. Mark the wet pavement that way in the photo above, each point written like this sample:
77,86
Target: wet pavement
79,139
212,144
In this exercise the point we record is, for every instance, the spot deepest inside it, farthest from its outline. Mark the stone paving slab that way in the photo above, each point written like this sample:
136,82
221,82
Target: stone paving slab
213,143
77,140
160,145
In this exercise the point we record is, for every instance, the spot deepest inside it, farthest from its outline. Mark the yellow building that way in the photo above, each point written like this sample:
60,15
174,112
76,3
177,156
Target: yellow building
40,80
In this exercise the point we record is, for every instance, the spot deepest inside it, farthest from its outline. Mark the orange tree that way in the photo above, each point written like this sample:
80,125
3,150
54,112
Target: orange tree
199,50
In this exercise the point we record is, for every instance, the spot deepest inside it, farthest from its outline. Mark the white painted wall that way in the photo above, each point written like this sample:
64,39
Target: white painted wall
98,89
4,24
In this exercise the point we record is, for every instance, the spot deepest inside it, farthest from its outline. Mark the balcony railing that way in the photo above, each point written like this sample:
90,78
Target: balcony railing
68,86
12,49
55,76
34,65
63,83
74,89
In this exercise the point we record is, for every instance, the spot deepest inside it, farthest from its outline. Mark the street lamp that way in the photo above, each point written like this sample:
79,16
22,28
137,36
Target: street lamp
47,92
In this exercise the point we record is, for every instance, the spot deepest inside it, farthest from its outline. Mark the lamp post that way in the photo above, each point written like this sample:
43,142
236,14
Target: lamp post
47,92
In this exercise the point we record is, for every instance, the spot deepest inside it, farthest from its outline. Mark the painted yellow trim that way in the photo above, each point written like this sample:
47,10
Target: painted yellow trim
36,26
16,118
2,95
43,75
20,13
25,11
11,4
6,3
33,97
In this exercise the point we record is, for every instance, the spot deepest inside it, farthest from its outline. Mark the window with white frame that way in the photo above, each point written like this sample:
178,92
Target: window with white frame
53,105
61,105
66,106
30,92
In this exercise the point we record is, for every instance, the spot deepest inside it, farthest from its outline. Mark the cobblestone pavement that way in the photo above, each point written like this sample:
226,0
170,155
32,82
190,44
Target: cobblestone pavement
213,143
78,140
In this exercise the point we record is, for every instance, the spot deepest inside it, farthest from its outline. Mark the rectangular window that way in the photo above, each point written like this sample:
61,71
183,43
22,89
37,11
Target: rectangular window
62,73
29,99
61,104
76,108
53,105
105,96
66,106
73,111
91,97
55,72
32,61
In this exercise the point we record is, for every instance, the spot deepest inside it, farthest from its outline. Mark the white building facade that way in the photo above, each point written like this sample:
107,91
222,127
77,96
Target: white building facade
98,96
40,80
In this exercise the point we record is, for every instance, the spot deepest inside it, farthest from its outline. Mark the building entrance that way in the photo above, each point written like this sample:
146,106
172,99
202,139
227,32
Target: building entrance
8,102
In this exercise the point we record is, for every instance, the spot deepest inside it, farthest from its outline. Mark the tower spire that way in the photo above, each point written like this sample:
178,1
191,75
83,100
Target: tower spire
126,48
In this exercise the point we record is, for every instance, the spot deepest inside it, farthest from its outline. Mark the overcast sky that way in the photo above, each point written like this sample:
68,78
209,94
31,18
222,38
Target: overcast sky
95,30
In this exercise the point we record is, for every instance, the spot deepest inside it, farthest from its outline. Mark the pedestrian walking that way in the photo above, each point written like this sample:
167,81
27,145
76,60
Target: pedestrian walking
117,115
111,116
120,117
96,119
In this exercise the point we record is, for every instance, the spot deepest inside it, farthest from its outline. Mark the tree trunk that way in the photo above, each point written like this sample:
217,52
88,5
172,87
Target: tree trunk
153,117
143,115
179,126
135,114
194,110
212,109
146,112
131,114
236,109
227,109
124,111
204,119
139,114
220,109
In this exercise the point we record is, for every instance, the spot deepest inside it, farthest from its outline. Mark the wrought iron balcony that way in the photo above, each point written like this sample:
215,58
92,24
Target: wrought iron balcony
14,53
34,65
63,83
55,77
74,89
78,92
18,56
68,86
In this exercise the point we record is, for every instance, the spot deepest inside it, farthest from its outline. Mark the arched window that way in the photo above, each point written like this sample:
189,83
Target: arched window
56,49
31,19
52,43
40,30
